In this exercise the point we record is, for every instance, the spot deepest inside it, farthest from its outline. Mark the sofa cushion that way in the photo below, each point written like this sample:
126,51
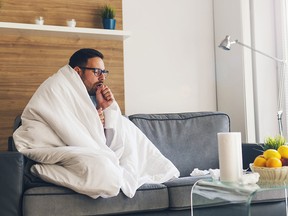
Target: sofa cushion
189,140
53,200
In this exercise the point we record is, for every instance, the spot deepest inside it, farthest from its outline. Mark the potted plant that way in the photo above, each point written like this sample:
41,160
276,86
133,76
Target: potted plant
274,142
108,17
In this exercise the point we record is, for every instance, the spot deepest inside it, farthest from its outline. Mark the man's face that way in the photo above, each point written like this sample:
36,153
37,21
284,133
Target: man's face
89,79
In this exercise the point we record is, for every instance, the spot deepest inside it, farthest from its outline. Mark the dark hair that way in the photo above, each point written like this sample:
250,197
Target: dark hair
80,57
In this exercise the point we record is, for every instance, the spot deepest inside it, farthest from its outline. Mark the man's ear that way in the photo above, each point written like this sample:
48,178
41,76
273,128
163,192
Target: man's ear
78,70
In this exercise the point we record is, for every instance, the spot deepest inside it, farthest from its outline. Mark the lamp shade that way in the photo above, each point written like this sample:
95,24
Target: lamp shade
226,43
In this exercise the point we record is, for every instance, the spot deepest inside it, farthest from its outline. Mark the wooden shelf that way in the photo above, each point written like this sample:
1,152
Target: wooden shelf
62,31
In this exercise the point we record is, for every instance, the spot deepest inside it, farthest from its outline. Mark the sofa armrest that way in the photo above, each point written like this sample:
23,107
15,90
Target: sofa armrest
11,183
249,152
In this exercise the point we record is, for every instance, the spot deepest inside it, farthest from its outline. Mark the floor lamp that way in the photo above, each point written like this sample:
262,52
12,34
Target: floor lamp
226,45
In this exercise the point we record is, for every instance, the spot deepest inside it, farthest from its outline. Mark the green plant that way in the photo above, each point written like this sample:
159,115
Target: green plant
108,12
273,142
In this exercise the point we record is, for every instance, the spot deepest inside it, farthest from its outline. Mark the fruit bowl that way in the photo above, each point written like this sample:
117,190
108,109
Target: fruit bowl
271,175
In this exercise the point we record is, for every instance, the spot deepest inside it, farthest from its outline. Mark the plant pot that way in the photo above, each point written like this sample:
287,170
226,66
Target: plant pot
109,23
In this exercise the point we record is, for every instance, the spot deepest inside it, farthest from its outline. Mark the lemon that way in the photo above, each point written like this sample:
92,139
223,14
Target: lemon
271,153
273,162
283,150
259,161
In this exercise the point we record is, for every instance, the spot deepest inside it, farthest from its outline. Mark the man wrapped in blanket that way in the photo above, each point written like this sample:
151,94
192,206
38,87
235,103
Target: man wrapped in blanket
73,128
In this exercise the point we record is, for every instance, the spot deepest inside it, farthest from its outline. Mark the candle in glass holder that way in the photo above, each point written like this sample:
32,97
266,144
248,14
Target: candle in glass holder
230,156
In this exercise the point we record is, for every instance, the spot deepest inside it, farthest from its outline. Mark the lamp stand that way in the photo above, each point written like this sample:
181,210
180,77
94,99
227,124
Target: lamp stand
226,45
280,111
279,118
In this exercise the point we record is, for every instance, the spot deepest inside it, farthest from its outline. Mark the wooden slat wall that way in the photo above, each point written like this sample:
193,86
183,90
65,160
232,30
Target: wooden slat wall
26,61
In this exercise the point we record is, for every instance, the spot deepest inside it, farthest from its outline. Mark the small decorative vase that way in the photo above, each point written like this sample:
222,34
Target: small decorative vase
71,23
39,21
109,23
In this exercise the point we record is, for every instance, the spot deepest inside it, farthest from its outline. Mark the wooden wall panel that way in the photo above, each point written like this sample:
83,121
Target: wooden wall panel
26,61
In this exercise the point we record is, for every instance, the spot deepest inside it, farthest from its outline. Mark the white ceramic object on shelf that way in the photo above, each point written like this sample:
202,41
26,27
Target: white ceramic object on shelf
71,23
39,21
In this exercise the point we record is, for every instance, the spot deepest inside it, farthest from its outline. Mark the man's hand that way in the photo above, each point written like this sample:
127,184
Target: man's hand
101,115
104,96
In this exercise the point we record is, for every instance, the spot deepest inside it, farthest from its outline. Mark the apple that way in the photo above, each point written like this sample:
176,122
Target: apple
284,161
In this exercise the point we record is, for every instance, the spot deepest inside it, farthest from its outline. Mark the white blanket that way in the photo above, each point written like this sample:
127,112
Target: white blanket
62,131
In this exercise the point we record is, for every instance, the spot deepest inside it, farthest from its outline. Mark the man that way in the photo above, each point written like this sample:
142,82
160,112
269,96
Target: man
86,61
73,128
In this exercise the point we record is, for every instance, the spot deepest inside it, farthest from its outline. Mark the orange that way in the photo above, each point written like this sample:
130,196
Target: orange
259,161
271,153
273,162
283,150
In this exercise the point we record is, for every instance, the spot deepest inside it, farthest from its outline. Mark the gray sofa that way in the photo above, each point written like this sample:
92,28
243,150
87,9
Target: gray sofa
189,140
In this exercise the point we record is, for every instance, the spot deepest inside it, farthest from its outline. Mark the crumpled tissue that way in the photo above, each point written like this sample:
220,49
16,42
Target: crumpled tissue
215,173
249,178
197,172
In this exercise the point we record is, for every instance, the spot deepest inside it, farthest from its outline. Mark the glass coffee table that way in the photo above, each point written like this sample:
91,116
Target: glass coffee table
208,193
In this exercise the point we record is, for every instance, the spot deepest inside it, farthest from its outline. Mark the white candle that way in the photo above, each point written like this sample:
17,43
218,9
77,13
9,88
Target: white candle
230,156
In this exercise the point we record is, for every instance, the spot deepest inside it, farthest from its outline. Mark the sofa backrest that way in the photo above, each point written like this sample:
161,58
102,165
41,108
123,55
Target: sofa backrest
189,140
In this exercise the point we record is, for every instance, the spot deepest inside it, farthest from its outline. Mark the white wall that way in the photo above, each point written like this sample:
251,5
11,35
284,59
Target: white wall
234,67
170,66
169,59
247,84
266,89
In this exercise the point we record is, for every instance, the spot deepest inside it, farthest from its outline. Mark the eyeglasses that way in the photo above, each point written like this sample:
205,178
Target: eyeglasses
97,71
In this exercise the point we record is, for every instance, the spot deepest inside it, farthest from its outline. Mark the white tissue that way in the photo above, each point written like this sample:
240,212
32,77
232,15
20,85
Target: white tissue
249,178
215,173
197,172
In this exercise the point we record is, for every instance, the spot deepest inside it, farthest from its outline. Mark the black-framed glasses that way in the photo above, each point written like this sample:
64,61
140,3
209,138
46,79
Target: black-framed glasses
97,71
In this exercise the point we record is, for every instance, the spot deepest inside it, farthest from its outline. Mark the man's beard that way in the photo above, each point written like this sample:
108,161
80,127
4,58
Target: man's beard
92,91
